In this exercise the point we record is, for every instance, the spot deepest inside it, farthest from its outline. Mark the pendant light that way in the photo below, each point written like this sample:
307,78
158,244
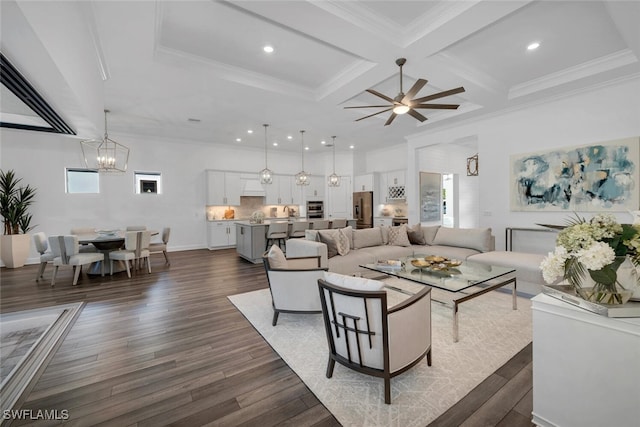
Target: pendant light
334,180
105,155
266,176
302,178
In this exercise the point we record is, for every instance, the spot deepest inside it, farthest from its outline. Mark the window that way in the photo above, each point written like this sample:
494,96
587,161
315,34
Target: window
148,182
83,181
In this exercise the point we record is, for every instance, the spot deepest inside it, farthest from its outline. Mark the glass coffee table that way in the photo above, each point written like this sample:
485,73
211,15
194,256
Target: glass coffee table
466,280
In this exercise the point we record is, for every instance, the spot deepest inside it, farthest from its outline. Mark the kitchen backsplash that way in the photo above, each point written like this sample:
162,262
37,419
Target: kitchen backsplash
395,209
249,205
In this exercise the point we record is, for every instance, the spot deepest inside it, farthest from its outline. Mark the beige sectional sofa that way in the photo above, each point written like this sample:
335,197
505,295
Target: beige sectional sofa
343,251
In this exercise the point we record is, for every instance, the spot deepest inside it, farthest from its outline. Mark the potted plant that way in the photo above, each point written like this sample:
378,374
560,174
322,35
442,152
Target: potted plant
14,208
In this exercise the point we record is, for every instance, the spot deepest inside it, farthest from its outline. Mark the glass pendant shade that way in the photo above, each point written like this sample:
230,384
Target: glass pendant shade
334,179
302,178
266,176
105,155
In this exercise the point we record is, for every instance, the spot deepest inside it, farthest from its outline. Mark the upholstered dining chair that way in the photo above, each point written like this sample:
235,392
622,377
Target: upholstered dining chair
339,223
42,246
277,232
66,251
292,282
298,228
85,230
320,224
366,336
136,249
158,247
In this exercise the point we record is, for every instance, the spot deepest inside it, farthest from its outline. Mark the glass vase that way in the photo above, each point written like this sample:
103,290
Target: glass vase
616,292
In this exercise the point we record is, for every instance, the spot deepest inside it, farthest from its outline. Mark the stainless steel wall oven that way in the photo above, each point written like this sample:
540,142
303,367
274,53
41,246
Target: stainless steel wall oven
315,209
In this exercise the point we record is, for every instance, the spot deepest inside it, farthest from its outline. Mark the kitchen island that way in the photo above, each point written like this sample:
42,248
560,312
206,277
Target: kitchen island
251,238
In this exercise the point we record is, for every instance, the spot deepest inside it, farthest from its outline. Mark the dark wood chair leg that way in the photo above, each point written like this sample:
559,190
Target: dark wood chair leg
330,366
275,317
429,358
387,390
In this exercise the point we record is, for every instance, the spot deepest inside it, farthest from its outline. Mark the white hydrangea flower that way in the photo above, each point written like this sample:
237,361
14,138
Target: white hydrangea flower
552,265
596,256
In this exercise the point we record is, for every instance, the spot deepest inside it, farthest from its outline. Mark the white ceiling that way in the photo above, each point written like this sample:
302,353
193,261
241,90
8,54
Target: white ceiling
168,62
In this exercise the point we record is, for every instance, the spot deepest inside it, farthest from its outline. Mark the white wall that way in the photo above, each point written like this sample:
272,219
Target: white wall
602,114
41,158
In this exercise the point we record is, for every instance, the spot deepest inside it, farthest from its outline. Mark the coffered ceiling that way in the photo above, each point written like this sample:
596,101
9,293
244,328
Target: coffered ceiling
168,62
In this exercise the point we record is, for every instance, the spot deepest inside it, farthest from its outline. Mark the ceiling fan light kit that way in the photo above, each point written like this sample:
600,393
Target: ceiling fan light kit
406,103
266,176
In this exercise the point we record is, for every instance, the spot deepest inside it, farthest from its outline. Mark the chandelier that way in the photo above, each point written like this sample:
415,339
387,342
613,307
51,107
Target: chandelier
105,155
334,180
266,176
302,178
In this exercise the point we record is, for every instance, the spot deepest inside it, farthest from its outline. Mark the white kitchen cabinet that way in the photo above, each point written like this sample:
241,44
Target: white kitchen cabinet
315,190
396,178
223,188
382,221
392,186
365,182
339,200
221,234
283,191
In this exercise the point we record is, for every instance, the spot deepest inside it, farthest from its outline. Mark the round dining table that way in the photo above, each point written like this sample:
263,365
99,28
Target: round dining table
106,243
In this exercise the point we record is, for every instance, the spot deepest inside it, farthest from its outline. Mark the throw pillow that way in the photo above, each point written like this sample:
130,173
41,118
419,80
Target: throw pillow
277,259
398,236
430,233
384,229
416,235
311,235
329,238
351,282
343,241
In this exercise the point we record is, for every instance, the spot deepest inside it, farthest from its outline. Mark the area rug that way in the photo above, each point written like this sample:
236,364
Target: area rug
490,334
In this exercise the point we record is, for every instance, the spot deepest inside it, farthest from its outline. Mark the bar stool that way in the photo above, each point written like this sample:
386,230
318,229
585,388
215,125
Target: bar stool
298,228
320,224
339,223
277,233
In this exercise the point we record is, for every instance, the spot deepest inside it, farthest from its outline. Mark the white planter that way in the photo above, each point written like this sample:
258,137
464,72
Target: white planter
14,249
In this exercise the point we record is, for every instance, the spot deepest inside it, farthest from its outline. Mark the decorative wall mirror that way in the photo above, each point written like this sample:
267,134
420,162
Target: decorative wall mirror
472,165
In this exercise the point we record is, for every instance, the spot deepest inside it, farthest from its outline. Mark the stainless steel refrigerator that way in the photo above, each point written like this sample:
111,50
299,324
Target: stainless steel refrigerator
363,209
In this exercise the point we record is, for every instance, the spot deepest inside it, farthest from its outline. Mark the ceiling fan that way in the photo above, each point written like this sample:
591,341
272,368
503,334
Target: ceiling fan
403,103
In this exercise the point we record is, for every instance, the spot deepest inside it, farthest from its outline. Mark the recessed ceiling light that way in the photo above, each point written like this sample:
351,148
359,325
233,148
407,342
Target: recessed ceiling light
249,131
306,148
268,49
352,146
275,144
238,139
289,137
323,142
533,46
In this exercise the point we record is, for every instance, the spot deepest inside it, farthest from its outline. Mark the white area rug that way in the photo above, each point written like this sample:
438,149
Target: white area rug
490,334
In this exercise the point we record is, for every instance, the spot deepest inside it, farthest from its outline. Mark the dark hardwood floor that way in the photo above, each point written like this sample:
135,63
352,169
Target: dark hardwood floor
168,348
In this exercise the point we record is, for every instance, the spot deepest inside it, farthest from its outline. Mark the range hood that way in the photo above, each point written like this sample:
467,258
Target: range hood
252,187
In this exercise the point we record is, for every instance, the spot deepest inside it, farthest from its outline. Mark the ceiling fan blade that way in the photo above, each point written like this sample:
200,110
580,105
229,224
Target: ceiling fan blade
370,106
439,95
437,106
385,97
374,114
390,119
417,86
413,113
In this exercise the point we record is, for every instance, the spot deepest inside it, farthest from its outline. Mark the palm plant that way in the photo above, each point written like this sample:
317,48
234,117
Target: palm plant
14,203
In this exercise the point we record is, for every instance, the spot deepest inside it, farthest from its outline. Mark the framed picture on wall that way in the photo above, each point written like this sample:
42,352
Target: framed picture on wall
430,197
590,178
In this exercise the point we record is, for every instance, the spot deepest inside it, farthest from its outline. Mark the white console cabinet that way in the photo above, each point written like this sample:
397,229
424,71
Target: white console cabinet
586,367
221,234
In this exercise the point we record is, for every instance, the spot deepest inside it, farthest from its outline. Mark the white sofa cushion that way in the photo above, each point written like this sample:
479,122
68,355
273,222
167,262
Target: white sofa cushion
472,238
367,237
429,233
351,282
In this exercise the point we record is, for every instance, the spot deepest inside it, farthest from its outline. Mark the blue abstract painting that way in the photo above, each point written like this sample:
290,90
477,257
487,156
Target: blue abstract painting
592,178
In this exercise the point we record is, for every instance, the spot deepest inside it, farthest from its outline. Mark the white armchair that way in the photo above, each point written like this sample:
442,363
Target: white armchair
366,336
293,283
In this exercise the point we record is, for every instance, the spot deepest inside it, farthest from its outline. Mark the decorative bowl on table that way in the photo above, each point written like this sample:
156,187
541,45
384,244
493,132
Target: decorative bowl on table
420,263
106,233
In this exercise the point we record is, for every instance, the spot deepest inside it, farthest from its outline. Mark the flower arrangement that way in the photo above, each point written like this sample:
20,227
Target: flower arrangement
597,247
257,217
